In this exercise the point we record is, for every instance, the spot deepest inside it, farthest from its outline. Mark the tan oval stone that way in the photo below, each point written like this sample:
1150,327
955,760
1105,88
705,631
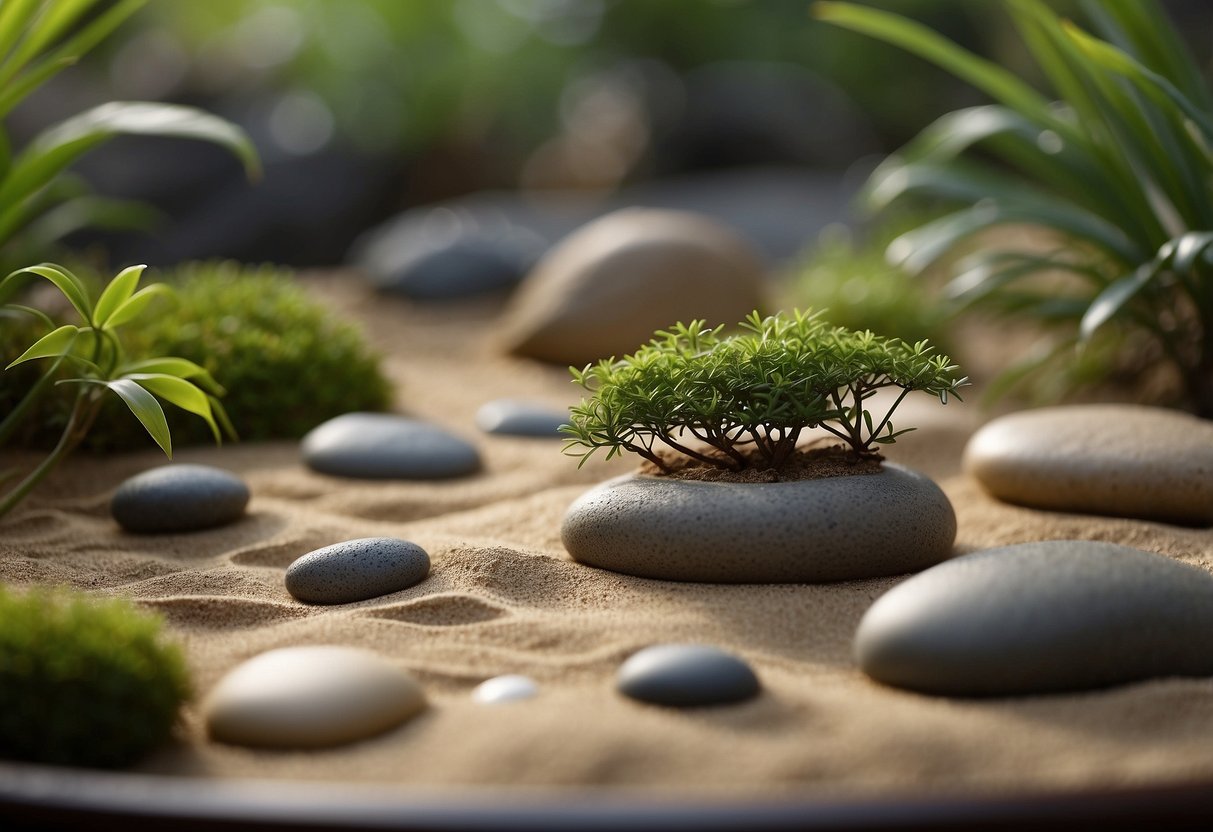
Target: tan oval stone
1121,460
310,697
608,286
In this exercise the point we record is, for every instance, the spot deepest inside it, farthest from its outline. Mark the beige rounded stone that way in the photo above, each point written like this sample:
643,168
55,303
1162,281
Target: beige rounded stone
608,286
310,697
809,531
1121,460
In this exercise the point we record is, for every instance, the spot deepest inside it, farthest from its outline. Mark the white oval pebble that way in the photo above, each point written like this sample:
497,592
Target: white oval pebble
310,697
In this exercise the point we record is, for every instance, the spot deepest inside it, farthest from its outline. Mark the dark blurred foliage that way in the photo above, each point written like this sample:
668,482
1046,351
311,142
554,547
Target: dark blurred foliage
364,107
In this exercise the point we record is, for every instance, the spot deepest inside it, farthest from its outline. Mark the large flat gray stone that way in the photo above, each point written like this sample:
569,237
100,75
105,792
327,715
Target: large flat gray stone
1122,460
179,498
810,531
1032,618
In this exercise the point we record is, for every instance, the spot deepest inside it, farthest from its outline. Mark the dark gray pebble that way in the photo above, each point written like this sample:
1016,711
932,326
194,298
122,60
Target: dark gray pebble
179,498
356,570
385,446
686,675
1060,615
514,417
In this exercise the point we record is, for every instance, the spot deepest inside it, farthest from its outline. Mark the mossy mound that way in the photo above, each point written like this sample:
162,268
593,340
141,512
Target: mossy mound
287,363
84,682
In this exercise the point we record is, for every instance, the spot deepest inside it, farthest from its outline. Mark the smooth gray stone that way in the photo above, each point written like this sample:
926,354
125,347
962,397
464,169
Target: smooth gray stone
179,498
440,253
356,570
686,675
513,417
384,446
811,531
1061,615
310,697
508,688
1118,459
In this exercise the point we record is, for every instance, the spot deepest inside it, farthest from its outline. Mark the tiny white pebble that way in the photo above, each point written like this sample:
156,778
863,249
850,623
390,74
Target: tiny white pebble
509,688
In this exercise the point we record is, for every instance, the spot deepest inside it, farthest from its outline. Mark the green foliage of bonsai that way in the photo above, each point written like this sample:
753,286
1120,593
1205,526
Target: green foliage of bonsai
751,394
84,682
1116,174
287,362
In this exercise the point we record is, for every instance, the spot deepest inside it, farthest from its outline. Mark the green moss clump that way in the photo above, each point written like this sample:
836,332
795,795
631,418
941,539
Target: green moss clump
862,291
286,362
84,682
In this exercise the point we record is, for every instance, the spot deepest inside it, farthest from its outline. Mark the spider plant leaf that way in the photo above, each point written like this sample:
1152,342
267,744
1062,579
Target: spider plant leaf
134,306
181,393
56,148
146,409
917,250
1141,29
15,17
918,39
89,211
1188,250
71,286
55,343
53,21
117,293
1112,299
17,91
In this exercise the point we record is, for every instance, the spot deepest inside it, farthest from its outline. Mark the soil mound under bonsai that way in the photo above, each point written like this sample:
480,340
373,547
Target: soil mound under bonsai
803,464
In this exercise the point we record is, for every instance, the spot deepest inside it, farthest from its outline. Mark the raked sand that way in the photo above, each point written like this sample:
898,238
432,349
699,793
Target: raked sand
503,597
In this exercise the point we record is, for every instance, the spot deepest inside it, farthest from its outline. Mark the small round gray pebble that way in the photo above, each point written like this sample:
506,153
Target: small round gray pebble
1034,618
508,688
385,446
686,675
356,570
179,498
514,417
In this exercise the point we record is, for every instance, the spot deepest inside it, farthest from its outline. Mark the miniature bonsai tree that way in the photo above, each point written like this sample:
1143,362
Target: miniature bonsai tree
748,397
85,682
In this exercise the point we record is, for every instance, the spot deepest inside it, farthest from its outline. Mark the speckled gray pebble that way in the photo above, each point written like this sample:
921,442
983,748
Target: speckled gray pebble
179,498
356,570
1123,460
1054,616
384,446
514,417
811,531
686,675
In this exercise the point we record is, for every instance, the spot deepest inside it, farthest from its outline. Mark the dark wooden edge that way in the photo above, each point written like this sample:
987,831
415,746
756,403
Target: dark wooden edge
40,797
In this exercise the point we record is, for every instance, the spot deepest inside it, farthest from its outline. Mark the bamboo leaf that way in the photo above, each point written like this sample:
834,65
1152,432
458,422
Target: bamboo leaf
134,305
55,343
174,366
181,393
70,285
146,409
1112,299
117,293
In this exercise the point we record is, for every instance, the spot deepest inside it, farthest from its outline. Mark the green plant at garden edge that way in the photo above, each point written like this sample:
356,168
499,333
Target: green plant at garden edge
1118,171
38,203
95,353
85,681
749,396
